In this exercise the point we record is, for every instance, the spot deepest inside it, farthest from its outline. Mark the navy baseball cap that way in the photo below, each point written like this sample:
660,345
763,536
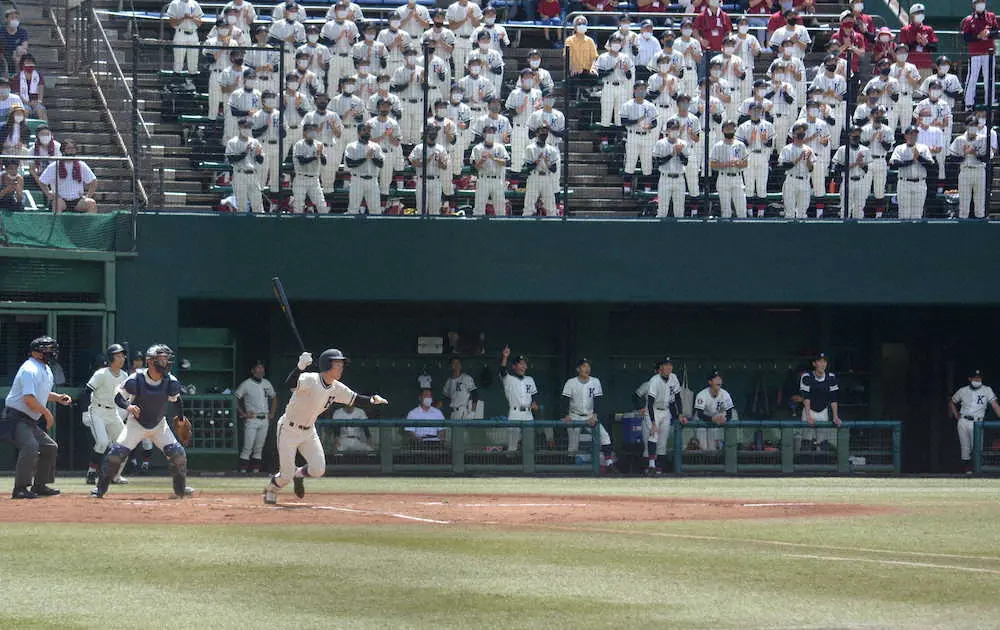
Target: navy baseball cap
821,355
664,361
976,374
713,373
582,361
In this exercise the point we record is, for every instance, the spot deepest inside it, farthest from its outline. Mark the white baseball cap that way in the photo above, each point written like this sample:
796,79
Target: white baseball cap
917,8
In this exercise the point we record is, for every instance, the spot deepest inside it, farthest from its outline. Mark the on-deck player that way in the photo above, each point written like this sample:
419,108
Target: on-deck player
313,393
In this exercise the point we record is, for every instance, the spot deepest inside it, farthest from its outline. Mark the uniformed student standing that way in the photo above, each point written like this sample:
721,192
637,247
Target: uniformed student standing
581,403
758,136
798,160
257,404
491,161
100,414
967,407
542,162
246,155
364,160
616,72
729,158
438,166
819,390
266,129
521,393
713,404
308,156
878,138
856,172
521,103
638,116
690,132
912,160
385,131
662,404
460,392
969,150
670,158
185,18
23,408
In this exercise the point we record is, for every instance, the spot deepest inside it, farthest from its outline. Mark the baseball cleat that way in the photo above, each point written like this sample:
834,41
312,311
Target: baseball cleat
270,497
23,493
45,491
120,480
91,477
96,493
300,487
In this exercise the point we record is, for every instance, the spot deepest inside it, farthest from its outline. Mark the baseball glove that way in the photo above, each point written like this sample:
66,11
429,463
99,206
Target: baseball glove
182,430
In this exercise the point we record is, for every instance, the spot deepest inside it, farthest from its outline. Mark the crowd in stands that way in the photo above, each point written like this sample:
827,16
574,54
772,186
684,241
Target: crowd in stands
689,101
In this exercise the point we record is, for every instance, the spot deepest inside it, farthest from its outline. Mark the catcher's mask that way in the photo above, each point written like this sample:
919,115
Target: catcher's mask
161,358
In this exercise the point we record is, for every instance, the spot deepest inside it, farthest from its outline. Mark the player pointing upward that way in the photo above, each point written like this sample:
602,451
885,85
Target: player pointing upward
313,393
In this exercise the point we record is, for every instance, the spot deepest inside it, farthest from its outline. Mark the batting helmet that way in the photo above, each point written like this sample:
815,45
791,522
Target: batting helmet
114,349
326,359
47,346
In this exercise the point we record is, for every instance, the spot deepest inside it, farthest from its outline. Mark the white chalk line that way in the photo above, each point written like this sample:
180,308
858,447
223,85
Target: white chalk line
755,505
902,563
380,513
759,541
491,505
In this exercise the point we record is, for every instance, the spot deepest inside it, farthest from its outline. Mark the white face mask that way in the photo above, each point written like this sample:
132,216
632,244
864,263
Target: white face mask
760,91
426,402
623,28
16,23
250,84
902,56
615,47
456,98
349,89
302,64
935,93
927,120
715,72
341,15
362,69
223,32
981,122
484,46
490,21
44,138
490,137
231,19
919,18
474,70
728,50
534,63
672,135
884,39
744,29
244,132
813,112
269,102
943,70
369,37
664,67
581,28
686,32
787,51
383,86
980,7
312,37
292,85
527,83
394,24
310,135
975,384
859,7
647,35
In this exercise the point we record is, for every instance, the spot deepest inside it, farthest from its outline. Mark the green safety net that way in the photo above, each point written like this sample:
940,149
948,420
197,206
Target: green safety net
108,231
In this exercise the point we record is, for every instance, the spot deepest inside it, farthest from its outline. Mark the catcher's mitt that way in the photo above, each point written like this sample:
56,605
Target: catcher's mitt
182,430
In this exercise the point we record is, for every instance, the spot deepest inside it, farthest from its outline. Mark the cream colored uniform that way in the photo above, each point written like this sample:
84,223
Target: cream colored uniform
641,136
297,426
351,111
441,40
461,114
438,166
490,181
282,30
581,396
816,131
463,43
554,120
518,392
542,179
903,75
413,17
670,190
306,182
783,112
186,33
911,186
876,140
330,131
364,177
617,85
246,184
523,104
406,83
795,188
732,193
663,86
972,174
341,36
266,125
354,439
757,135
493,66
395,43
972,406
385,132
256,397
657,429
691,133
220,62
103,417
458,391
835,104
296,106
855,206
710,439
689,50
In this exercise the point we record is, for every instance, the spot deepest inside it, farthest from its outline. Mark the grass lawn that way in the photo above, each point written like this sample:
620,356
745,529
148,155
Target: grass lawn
931,561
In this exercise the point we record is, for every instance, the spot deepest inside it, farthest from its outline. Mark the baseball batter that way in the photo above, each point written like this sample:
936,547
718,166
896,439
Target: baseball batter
521,393
967,407
460,392
581,403
662,405
712,404
313,393
101,415
144,395
256,404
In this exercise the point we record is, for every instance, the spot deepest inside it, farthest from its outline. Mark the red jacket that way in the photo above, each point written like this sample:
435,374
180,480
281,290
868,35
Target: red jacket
714,28
776,21
857,39
973,25
919,56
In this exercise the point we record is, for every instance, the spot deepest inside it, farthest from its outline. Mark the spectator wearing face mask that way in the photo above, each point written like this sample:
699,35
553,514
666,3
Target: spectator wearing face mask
395,40
8,99
11,187
884,48
329,130
581,49
921,39
969,152
13,40
285,9
425,411
951,86
45,146
295,105
762,9
354,13
979,30
31,88
498,33
850,43
15,132
369,52
69,184
245,14
308,156
266,127
713,26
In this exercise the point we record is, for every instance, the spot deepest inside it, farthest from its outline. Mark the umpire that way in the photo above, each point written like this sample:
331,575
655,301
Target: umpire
25,405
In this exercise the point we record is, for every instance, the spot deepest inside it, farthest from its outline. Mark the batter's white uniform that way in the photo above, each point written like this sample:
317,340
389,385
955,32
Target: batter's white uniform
972,174
663,392
642,135
256,397
103,417
795,189
670,189
581,396
518,391
858,174
186,33
757,136
458,391
490,181
711,439
297,426
972,406
543,177
354,439
732,194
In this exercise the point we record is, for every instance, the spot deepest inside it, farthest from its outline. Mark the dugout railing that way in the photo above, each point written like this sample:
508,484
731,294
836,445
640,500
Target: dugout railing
986,447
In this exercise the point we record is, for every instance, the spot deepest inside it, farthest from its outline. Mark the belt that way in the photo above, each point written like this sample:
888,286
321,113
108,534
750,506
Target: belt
489,177
259,416
971,419
732,174
520,408
272,142
217,69
293,126
639,133
913,180
615,83
672,175
780,115
248,172
343,55
297,426
413,100
365,176
305,175
661,409
102,406
756,150
189,32
798,177
856,179
973,167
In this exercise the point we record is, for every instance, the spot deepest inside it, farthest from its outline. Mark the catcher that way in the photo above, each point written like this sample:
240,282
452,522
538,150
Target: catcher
144,395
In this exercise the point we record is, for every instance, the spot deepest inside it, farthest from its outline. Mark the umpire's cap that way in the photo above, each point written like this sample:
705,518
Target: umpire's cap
327,358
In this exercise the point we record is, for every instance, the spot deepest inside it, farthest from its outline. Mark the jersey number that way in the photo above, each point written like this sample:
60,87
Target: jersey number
329,401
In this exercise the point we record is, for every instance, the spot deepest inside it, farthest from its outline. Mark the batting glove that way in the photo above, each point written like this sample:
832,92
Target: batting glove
305,360
378,400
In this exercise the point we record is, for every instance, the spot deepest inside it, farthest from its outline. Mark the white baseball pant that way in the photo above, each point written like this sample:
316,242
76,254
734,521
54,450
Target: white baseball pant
540,187
105,425
855,206
819,171
290,441
190,55
351,444
434,194
518,142
782,124
838,123
663,418
689,82
795,196
972,191
304,186
490,189
911,197
612,99
457,151
291,137
133,433
335,156
819,433
393,162
662,115
709,439
978,70
756,173
459,54
904,110
246,188
410,125
670,192
254,435
214,94
366,190
966,436
693,168
514,434
639,147
230,124
939,158
573,435
267,172
341,65
877,171
732,195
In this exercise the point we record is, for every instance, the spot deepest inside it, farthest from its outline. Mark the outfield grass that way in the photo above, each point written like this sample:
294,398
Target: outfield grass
933,561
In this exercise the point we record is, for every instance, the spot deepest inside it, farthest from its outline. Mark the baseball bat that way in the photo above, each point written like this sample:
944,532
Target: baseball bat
286,308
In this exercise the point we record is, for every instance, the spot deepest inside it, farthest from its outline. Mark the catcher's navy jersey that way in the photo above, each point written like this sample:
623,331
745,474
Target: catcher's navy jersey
151,399
819,392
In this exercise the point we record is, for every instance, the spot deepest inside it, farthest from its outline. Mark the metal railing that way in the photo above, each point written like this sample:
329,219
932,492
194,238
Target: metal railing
986,447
